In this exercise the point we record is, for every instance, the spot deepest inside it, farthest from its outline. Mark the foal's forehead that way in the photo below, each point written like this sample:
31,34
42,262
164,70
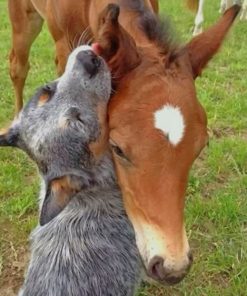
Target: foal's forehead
162,106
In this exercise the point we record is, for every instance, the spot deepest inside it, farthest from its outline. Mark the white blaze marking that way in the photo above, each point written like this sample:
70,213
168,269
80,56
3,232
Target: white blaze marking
170,121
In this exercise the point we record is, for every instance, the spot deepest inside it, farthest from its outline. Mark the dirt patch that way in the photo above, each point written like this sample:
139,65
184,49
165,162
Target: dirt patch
14,258
220,182
13,271
220,132
155,289
226,132
221,279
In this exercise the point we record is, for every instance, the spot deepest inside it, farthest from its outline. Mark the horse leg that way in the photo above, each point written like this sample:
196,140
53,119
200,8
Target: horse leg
26,24
62,53
243,15
229,3
225,4
222,6
199,19
63,42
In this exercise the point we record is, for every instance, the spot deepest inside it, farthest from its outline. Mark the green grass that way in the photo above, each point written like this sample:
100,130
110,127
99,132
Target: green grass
216,209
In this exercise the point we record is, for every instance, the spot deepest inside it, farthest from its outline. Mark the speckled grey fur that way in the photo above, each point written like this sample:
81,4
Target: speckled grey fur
89,248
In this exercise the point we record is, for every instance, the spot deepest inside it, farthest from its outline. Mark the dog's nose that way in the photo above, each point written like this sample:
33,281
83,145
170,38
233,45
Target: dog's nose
90,61
158,270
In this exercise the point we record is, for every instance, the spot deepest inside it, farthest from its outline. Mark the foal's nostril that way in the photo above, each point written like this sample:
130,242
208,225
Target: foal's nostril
90,61
156,268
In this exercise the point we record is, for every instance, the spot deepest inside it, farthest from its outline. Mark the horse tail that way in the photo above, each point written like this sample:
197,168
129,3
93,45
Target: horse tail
192,4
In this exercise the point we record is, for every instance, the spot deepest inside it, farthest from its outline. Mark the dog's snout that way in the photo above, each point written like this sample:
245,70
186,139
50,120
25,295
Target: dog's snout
90,61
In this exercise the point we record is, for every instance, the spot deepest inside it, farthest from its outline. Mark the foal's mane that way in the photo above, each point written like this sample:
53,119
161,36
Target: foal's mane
158,30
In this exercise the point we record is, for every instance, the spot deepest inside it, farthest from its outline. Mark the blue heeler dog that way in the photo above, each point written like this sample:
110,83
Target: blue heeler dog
84,245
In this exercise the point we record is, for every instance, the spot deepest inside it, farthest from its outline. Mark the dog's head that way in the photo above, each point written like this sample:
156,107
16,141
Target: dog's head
63,129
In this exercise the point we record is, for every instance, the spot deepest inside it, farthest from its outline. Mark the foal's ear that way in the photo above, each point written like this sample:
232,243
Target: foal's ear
114,44
59,192
204,46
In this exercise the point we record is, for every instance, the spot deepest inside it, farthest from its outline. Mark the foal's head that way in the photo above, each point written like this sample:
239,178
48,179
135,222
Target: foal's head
157,130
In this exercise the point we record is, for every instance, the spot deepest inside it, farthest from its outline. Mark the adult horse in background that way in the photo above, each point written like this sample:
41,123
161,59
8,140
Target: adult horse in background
198,5
157,127
27,18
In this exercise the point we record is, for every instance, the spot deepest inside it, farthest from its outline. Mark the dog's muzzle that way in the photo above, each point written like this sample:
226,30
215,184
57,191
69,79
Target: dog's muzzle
90,61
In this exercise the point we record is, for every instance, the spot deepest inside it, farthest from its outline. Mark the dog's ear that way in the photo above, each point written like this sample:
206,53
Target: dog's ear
59,192
114,44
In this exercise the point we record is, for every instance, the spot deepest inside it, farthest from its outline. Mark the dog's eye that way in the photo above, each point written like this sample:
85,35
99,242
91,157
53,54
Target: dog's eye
50,88
74,114
118,151
79,118
47,88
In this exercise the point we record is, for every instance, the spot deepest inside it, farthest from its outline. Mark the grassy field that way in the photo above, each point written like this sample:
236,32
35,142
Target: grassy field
216,210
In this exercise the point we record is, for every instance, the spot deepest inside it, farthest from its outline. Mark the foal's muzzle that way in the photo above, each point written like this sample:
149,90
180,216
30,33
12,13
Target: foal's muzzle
161,272
90,61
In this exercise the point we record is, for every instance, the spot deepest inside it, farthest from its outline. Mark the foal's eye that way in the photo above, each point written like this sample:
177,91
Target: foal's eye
118,151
